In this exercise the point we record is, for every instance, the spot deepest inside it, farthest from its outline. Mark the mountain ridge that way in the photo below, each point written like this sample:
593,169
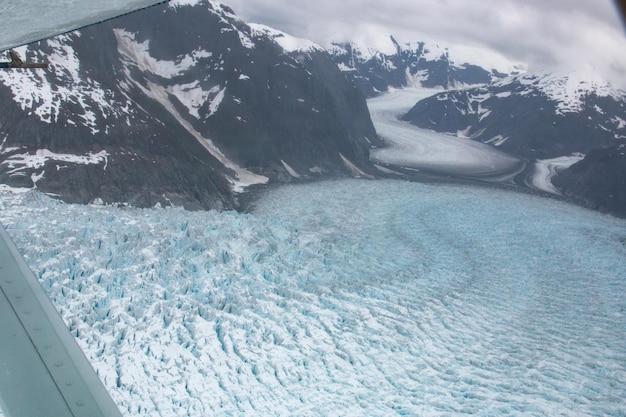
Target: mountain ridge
377,65
185,104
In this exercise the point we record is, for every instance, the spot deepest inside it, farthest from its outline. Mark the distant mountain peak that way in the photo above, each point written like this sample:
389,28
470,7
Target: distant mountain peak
567,89
289,43
377,62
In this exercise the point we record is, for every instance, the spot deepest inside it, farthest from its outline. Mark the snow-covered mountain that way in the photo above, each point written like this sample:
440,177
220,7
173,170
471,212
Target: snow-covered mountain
382,62
182,103
531,115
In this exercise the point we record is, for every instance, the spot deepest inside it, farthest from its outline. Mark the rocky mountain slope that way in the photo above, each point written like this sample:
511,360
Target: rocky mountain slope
531,115
598,181
181,104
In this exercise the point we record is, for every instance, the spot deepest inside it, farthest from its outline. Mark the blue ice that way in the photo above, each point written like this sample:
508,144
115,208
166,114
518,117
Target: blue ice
342,298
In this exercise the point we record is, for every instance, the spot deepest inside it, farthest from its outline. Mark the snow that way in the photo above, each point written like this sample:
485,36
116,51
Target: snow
368,45
175,4
133,50
412,147
243,178
16,163
496,140
344,68
341,298
355,170
4,188
621,123
290,170
44,93
433,52
139,55
569,89
289,43
217,100
483,57
191,96
545,169
416,80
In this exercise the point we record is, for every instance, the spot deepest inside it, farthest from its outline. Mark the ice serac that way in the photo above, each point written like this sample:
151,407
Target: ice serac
537,116
190,105
341,298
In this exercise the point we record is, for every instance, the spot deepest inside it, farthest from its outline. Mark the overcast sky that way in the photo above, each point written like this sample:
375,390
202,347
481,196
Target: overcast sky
540,33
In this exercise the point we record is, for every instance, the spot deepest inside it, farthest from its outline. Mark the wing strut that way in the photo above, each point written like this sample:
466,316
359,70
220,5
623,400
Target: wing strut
17,62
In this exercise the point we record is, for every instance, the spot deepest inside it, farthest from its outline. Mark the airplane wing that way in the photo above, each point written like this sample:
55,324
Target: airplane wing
43,371
29,21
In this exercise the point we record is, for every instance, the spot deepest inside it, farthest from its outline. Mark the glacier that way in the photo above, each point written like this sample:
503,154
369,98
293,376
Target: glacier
347,297
422,149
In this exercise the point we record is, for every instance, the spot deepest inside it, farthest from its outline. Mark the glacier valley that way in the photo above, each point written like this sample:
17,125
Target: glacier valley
348,297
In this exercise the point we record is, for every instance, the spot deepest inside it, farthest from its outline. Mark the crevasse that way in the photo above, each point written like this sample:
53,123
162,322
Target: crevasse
341,298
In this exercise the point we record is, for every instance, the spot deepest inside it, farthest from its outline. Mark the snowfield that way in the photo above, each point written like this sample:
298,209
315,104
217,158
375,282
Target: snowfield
341,298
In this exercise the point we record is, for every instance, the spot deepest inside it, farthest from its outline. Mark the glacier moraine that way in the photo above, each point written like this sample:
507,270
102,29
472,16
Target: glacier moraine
341,298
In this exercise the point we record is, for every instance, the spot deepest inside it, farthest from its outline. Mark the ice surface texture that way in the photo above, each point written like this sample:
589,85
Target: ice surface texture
342,298
414,147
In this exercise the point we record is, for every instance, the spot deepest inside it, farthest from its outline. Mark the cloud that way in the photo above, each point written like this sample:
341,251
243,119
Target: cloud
564,34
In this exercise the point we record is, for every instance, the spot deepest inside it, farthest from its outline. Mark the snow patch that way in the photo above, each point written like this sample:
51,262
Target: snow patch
356,171
568,90
496,140
344,68
19,162
191,96
139,54
621,123
290,170
368,45
545,169
174,4
287,42
45,93
217,100
243,177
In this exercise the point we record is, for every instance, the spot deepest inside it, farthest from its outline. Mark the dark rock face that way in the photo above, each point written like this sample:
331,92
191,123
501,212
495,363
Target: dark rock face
528,116
598,181
402,65
175,104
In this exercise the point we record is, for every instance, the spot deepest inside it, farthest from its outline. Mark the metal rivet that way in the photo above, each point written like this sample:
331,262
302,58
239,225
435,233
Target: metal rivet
58,364
80,403
69,383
